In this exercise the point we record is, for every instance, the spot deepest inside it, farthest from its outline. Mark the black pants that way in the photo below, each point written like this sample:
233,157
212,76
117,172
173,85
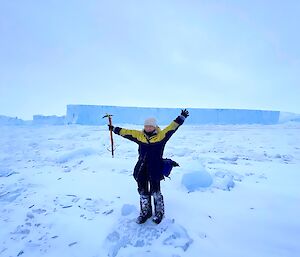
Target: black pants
144,182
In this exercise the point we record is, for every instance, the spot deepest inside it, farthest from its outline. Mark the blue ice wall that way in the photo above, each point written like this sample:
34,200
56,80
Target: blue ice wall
5,120
92,115
51,120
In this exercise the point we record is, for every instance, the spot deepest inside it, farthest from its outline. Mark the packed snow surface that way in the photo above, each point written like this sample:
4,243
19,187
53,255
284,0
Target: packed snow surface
236,193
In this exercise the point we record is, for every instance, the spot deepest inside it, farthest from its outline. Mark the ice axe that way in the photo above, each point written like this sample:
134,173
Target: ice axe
110,131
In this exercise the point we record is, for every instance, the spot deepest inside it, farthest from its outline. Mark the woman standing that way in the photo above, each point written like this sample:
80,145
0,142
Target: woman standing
149,169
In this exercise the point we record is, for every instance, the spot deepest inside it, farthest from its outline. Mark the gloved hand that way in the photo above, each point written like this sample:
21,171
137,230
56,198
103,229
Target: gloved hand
185,113
110,127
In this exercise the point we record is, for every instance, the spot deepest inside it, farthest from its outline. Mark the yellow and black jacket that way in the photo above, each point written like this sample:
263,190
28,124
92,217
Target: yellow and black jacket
150,148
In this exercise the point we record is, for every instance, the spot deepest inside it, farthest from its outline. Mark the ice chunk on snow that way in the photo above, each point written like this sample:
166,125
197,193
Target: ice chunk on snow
224,183
128,209
196,180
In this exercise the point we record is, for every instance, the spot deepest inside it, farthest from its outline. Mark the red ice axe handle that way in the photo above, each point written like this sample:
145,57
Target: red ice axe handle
110,132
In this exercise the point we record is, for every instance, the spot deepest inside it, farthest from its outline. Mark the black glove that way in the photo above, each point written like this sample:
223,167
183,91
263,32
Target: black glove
185,113
111,127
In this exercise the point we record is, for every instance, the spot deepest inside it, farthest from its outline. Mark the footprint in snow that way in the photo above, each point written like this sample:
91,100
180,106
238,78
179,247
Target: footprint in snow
127,233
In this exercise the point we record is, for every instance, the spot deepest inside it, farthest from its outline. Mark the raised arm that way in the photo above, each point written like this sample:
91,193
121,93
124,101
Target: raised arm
175,124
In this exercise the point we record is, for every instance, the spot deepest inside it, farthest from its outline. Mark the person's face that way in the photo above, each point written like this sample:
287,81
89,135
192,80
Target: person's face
149,129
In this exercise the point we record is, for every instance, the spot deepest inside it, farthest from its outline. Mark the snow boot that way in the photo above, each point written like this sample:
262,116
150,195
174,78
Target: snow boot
159,207
146,209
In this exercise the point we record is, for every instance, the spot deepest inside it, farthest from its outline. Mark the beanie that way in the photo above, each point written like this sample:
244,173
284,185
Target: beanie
150,122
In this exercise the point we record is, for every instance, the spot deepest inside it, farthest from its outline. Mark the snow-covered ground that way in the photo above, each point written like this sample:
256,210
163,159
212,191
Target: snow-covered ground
61,193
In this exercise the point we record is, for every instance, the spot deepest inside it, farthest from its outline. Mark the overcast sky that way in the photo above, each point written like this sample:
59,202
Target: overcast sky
210,54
